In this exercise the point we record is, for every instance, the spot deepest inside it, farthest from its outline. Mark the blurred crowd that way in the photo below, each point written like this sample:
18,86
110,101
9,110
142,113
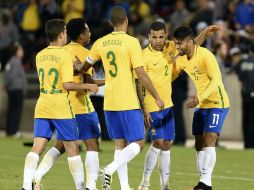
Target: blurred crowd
23,21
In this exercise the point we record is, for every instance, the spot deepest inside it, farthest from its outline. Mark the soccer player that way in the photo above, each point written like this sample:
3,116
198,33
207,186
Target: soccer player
211,100
53,110
159,57
87,119
121,54
159,61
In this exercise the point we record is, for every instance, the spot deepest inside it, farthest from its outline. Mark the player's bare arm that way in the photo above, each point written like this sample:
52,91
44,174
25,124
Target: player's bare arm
89,79
71,86
147,83
147,116
199,40
81,66
140,94
192,102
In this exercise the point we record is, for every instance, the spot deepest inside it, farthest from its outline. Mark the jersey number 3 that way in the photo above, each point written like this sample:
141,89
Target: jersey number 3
111,56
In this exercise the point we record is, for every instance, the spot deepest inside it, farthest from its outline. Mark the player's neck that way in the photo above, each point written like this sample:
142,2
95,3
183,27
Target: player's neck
56,43
191,53
120,28
78,41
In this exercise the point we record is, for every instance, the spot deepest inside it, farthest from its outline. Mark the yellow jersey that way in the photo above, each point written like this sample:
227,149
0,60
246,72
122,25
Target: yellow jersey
204,71
159,66
80,100
31,18
120,54
54,67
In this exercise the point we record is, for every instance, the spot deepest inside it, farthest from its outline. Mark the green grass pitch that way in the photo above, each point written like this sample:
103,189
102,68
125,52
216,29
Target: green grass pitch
234,169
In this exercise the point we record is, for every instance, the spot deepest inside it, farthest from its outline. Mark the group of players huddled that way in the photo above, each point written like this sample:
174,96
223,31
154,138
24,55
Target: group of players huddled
137,96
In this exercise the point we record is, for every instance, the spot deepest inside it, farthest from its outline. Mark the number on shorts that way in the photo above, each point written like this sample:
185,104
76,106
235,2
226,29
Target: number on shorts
216,119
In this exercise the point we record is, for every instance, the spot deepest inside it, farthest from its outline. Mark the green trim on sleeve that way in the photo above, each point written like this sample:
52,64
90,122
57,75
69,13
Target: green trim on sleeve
221,97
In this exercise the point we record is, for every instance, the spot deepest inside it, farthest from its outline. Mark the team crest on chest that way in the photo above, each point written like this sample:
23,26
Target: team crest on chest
196,69
153,131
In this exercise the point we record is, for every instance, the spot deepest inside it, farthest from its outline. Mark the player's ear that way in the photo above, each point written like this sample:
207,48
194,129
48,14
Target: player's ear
149,36
126,20
81,36
111,23
60,36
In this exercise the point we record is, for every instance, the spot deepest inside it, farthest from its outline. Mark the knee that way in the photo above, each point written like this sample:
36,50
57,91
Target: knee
93,145
141,144
38,148
210,139
199,146
158,144
60,148
166,145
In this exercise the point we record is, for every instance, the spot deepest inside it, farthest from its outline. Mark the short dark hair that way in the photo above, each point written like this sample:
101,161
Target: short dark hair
117,15
183,32
53,28
156,26
14,48
75,27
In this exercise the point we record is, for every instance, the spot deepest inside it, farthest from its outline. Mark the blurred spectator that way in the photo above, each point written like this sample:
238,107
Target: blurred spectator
179,95
163,8
15,84
48,9
230,14
245,70
73,9
179,15
8,34
28,17
140,17
244,14
93,12
221,54
203,14
221,8
98,100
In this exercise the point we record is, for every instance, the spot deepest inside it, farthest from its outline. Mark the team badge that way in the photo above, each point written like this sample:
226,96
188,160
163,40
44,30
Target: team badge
153,131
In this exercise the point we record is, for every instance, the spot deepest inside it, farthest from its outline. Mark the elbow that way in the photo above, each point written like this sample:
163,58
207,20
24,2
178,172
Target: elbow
141,76
66,86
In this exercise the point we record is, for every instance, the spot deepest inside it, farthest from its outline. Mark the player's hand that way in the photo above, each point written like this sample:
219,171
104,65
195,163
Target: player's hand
212,29
78,65
192,102
148,119
160,103
93,88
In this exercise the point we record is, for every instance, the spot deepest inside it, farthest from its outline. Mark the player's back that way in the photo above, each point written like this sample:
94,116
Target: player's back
120,53
80,100
54,67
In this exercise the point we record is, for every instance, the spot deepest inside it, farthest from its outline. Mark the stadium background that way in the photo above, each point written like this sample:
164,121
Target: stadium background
23,21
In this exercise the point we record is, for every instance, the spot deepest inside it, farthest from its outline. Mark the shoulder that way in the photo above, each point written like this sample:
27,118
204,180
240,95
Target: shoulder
131,39
146,50
204,52
40,53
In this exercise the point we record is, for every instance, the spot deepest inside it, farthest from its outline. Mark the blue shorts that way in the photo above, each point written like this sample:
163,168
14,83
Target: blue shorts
66,129
208,120
128,125
88,126
163,125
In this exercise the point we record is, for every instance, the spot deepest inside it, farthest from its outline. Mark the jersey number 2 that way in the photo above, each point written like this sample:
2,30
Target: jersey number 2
53,89
112,57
